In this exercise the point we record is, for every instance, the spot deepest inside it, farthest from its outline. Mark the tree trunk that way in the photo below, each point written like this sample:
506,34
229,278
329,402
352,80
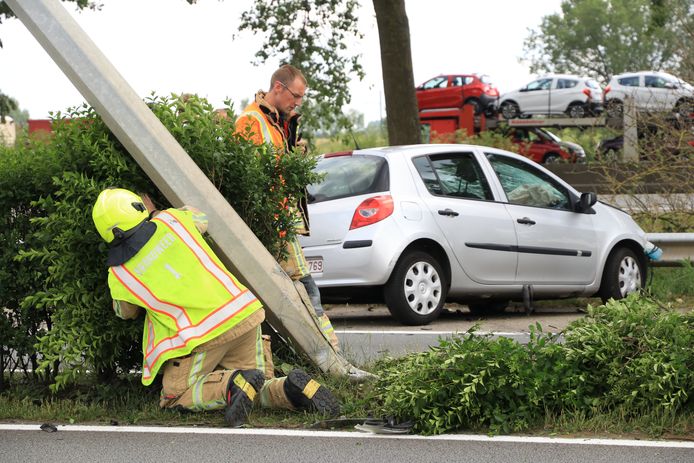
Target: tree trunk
398,79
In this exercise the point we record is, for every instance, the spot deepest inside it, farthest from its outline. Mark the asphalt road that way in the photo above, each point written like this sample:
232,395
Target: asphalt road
265,445
367,332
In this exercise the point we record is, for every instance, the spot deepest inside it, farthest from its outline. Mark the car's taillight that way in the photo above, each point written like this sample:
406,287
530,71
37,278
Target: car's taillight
372,210
586,92
606,91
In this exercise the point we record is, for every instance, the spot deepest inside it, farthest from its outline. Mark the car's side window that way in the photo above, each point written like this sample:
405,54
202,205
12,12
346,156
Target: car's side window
436,82
527,186
453,174
566,83
654,82
629,81
540,84
458,81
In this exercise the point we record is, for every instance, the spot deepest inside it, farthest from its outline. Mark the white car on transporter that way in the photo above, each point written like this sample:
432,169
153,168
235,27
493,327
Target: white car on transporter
561,94
424,224
651,91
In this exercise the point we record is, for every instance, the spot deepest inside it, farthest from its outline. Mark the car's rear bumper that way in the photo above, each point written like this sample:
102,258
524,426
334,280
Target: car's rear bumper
364,258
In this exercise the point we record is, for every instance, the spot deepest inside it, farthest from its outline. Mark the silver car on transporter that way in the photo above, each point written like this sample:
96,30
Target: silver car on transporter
428,223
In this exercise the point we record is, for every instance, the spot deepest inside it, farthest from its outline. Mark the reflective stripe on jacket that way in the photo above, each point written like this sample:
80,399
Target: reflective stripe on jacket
189,296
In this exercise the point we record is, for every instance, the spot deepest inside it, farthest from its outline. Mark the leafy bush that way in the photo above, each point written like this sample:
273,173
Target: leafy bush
631,354
22,179
66,254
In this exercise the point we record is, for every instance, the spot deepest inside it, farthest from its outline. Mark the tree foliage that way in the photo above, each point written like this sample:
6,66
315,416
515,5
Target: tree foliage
606,37
311,35
7,105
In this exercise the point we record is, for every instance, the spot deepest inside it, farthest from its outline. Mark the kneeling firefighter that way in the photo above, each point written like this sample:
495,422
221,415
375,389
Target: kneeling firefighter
202,326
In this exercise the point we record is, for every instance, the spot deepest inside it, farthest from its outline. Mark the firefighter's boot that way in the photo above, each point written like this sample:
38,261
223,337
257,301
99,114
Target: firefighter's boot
307,394
241,391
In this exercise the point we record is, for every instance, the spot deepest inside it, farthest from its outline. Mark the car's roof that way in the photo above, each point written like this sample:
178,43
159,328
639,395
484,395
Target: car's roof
432,148
641,73
562,76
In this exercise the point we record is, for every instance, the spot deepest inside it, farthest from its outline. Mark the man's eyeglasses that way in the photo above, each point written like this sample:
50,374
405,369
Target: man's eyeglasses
295,95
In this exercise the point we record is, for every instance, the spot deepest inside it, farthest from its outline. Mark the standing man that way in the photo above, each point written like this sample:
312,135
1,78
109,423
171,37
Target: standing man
272,119
202,326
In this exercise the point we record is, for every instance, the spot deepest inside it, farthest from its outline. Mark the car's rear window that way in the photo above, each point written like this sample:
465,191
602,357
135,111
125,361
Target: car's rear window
346,176
592,84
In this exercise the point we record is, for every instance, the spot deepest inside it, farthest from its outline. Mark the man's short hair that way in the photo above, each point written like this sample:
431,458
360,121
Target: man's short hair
287,74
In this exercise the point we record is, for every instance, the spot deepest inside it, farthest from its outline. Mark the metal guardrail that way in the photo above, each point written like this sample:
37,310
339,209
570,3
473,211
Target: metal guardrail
676,247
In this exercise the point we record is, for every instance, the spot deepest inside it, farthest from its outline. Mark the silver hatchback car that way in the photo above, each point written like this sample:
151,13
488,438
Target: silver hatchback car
427,224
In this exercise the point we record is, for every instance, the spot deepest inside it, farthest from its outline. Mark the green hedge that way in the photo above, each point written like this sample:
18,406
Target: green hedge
53,278
631,355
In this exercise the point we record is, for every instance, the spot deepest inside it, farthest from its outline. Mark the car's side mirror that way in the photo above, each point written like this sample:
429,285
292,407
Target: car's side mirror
524,89
586,202
671,85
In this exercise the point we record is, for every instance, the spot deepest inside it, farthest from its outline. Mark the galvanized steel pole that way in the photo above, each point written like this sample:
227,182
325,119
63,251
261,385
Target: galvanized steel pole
176,175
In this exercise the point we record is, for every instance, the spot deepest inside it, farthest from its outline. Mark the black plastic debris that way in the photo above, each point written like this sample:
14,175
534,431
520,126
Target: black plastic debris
48,427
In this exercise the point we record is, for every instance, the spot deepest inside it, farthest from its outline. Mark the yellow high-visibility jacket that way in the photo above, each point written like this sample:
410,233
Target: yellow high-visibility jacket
189,296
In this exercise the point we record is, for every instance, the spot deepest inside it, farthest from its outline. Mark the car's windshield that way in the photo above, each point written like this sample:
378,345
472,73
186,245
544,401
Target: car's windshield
345,176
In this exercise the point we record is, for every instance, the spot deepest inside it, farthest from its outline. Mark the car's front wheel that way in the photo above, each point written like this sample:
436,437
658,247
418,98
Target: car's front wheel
685,107
614,108
551,158
624,274
416,290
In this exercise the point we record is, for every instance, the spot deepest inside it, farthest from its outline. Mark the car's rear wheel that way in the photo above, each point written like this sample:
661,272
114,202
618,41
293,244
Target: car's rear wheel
576,110
509,110
624,274
416,290
488,307
475,103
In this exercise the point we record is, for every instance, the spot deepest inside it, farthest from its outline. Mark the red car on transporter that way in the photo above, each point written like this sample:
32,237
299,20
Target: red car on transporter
543,147
456,90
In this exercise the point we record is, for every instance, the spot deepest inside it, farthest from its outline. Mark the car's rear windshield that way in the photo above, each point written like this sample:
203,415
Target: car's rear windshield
345,176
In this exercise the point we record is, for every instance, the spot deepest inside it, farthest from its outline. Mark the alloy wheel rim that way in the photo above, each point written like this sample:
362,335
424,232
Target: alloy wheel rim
629,277
576,111
509,111
422,288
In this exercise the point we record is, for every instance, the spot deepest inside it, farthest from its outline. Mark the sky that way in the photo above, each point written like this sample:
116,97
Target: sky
169,46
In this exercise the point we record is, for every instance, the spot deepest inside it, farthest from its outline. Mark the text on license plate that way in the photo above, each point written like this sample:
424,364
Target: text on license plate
315,265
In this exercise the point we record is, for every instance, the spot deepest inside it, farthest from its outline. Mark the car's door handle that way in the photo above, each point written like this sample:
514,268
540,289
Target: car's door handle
526,221
448,212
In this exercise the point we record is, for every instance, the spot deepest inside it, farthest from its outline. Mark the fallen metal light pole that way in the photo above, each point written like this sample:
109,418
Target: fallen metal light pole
177,176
